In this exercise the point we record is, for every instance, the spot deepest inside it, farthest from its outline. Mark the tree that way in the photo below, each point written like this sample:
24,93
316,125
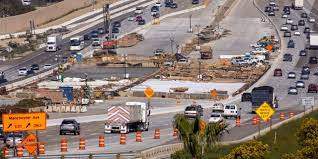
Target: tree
197,136
250,150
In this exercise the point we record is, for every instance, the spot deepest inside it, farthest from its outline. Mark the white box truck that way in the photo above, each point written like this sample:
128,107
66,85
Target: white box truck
54,42
298,4
313,41
133,116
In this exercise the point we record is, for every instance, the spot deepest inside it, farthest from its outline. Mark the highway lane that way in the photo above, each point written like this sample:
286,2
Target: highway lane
41,57
162,121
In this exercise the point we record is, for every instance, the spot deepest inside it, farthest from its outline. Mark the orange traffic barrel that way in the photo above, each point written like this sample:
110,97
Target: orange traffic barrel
41,149
138,136
122,139
5,152
63,145
175,132
19,151
238,122
101,141
81,144
282,116
254,120
157,134
291,114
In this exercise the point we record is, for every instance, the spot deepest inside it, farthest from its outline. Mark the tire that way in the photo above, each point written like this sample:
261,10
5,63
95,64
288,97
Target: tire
78,133
61,133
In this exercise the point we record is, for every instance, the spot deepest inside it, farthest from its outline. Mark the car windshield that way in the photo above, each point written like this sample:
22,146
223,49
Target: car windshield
68,122
23,69
16,135
50,43
75,42
190,108
215,115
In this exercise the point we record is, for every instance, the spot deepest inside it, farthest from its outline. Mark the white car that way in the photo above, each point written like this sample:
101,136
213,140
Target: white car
311,20
158,4
23,71
272,3
289,21
297,33
215,118
138,10
218,107
292,90
47,66
230,110
284,28
284,16
300,84
291,75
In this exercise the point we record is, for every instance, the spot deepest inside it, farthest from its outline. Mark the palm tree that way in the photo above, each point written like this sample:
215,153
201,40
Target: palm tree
197,136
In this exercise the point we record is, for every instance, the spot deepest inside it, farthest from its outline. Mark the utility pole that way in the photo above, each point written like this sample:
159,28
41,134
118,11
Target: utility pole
106,18
125,67
198,29
190,23
171,44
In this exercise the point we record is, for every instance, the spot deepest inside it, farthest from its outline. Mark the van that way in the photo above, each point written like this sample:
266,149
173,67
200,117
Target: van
230,110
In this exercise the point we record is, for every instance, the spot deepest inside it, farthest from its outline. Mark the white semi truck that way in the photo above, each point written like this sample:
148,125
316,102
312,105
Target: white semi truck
132,116
313,41
54,42
298,4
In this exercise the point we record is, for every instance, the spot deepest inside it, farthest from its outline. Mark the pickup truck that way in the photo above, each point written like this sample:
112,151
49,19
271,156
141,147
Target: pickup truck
193,111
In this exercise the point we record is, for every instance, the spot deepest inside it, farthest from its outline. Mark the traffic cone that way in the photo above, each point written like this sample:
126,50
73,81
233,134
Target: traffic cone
254,120
157,134
238,122
63,145
41,149
101,141
19,151
175,132
291,114
81,144
268,120
122,139
5,152
138,136
282,116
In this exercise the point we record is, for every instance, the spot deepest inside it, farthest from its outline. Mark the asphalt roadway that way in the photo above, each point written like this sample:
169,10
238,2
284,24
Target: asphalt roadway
94,129
41,57
288,103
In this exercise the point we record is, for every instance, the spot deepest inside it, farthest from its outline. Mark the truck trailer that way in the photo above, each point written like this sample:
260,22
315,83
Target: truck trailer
298,4
130,117
260,95
54,42
313,41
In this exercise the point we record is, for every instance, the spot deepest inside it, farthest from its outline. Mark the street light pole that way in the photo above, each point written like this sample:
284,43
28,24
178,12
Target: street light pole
190,23
171,44
198,29
125,67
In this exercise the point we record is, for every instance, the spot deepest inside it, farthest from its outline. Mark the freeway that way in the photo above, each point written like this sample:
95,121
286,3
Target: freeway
162,121
41,57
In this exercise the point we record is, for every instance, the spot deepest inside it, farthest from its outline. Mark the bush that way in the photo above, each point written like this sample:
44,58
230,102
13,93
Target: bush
181,154
250,150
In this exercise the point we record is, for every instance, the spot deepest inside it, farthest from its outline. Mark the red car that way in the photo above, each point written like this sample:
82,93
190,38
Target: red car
312,88
278,72
138,18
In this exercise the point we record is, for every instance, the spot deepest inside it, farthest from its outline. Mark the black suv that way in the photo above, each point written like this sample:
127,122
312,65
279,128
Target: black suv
301,22
70,126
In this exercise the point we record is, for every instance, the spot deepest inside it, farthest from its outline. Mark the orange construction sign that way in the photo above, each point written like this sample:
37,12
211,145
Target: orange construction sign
213,93
269,47
24,121
149,92
30,143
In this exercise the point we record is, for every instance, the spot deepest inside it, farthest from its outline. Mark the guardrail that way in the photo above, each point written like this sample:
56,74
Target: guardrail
163,151
122,155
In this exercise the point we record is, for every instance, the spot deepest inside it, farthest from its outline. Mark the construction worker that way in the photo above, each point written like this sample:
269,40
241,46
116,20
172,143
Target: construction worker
275,102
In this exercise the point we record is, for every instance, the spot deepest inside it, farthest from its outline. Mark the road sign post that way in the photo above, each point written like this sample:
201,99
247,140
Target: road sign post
265,111
149,93
308,102
213,94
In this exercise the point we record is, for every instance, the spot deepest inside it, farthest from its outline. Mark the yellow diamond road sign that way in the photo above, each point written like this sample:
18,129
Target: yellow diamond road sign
265,111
